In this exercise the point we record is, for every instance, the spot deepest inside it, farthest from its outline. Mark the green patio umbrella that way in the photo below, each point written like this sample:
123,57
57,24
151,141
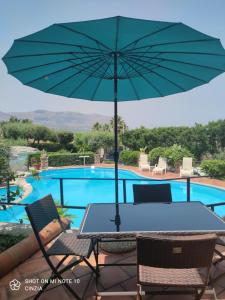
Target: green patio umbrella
116,59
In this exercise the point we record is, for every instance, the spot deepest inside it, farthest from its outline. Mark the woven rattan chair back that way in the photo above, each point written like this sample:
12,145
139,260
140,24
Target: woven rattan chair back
41,213
144,193
176,252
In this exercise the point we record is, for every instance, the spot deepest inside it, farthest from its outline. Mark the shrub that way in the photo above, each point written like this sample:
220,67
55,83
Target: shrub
68,159
214,168
129,157
155,153
175,154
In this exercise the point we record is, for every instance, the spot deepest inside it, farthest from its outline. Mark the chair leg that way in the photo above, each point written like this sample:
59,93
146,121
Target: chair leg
57,274
214,294
90,266
198,294
96,253
139,296
96,261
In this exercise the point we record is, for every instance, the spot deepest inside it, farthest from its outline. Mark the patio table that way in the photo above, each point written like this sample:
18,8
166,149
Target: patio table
156,218
170,218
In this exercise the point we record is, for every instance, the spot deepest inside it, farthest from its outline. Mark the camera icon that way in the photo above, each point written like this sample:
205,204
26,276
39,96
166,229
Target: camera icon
15,285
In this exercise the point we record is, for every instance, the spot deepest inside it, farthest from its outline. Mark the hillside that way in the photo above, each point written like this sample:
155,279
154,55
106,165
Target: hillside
65,120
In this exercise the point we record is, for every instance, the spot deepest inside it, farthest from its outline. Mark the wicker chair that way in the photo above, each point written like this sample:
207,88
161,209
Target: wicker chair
171,265
152,193
221,256
43,212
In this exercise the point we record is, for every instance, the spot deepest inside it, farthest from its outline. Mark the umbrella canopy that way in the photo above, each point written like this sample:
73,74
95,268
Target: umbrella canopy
154,59
116,59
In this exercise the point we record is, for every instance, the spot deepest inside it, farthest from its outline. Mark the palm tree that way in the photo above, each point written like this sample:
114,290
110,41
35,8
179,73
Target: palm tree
122,126
97,126
106,127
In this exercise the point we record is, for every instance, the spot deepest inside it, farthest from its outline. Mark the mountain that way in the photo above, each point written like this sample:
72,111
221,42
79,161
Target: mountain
4,116
65,120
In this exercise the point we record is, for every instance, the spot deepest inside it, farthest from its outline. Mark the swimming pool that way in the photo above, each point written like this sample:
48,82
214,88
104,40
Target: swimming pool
81,192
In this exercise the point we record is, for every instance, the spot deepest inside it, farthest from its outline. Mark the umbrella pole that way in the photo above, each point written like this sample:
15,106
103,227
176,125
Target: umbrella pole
116,153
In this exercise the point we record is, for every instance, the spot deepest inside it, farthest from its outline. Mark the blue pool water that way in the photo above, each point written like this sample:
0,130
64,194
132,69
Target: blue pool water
82,192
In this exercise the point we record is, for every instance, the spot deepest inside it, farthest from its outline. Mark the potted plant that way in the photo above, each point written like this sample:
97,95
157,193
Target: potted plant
35,163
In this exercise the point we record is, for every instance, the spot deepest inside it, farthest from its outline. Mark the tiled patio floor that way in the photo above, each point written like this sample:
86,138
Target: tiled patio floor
112,279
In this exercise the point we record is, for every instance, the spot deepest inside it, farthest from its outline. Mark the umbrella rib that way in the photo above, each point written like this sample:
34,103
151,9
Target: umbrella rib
50,63
95,91
147,80
82,82
55,43
57,71
69,77
172,82
84,34
182,73
172,43
43,54
177,52
131,82
117,33
178,61
103,55
150,34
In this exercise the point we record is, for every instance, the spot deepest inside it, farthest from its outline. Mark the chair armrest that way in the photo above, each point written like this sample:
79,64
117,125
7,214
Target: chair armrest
213,205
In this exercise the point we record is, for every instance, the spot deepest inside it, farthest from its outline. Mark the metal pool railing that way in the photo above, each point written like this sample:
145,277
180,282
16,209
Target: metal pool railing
124,182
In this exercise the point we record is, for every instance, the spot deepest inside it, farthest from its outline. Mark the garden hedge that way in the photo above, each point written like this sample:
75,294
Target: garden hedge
214,168
57,159
68,159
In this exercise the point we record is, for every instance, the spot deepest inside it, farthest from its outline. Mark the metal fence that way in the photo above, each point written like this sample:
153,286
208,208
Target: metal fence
124,185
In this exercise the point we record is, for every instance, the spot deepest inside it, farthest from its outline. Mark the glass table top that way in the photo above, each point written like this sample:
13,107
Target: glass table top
189,217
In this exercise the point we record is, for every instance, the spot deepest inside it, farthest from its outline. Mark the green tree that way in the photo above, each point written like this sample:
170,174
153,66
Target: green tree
99,140
195,139
11,130
65,138
81,141
155,153
216,135
175,154
41,133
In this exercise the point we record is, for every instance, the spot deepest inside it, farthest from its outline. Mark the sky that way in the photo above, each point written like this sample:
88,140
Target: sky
19,18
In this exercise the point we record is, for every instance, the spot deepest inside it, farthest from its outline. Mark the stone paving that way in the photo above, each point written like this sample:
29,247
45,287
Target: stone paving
121,278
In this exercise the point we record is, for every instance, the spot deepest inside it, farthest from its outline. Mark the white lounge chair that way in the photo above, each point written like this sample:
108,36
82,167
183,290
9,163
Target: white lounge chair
161,166
186,169
143,162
